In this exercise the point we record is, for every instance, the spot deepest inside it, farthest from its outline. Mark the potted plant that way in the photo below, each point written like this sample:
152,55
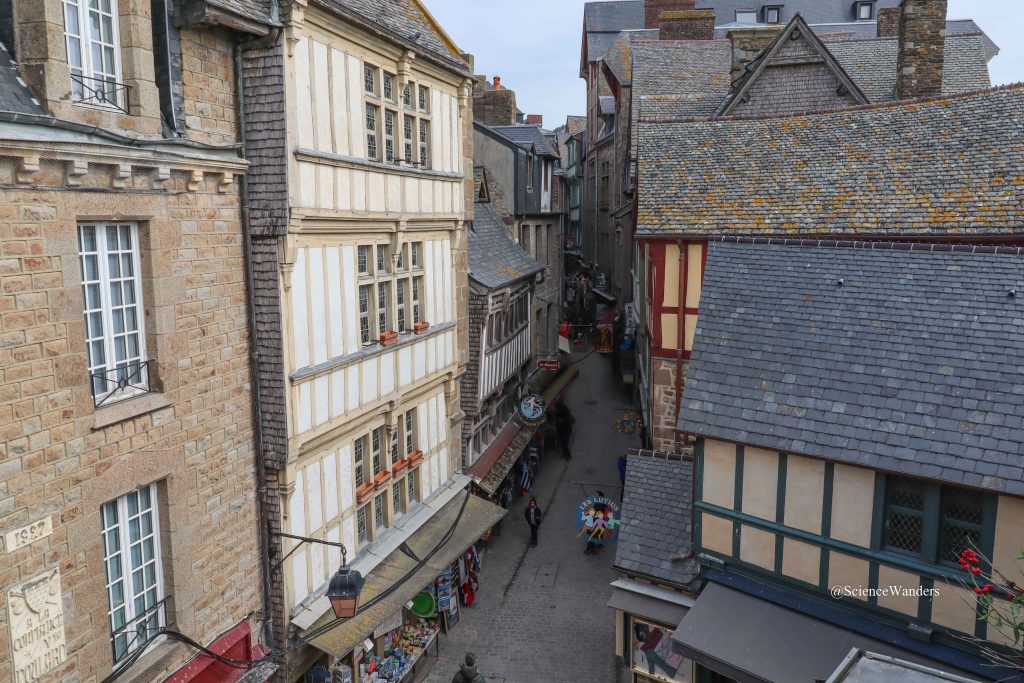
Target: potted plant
388,338
421,327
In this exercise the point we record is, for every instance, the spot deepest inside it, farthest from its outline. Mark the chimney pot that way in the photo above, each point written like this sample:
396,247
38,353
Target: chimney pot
497,82
537,119
922,47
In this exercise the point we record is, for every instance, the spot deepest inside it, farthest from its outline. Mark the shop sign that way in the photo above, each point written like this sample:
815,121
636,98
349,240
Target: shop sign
548,364
35,616
598,519
531,408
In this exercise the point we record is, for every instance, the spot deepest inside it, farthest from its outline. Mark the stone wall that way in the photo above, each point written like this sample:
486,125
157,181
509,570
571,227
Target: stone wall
696,24
209,87
61,458
663,404
922,44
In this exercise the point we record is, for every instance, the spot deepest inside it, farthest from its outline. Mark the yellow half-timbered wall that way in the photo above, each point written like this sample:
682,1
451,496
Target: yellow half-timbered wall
809,523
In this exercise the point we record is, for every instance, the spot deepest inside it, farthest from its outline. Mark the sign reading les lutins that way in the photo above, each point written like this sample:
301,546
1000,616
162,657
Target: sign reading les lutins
36,618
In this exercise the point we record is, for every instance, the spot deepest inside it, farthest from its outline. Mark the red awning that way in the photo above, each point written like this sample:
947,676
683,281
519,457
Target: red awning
235,644
486,461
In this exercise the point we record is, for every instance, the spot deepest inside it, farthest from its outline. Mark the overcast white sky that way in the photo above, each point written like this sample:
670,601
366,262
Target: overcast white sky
534,45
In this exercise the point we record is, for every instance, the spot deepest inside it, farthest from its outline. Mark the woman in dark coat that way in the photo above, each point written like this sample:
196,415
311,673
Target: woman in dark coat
534,516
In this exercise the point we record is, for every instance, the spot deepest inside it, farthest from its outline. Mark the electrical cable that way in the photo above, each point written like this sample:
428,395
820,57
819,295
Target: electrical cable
312,635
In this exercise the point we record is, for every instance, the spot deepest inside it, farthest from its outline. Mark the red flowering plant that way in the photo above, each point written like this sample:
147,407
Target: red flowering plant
1001,603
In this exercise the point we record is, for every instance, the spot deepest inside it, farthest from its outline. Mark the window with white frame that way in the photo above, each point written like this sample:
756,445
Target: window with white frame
362,532
372,132
93,49
376,446
378,313
396,498
408,124
424,143
865,11
746,16
370,77
412,490
389,87
772,14
409,431
384,115
424,99
134,576
359,448
114,321
379,520
389,135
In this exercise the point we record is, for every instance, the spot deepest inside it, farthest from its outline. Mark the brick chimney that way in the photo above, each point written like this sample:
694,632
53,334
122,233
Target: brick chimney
922,47
691,24
888,22
535,119
654,8
497,82
747,44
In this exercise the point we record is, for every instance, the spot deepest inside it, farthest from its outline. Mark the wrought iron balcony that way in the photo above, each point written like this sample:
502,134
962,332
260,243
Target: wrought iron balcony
100,91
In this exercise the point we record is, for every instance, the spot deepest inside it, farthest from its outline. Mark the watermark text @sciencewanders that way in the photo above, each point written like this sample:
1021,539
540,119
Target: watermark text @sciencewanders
883,592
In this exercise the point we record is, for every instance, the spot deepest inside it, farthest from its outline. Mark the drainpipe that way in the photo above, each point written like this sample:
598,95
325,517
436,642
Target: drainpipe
261,474
680,339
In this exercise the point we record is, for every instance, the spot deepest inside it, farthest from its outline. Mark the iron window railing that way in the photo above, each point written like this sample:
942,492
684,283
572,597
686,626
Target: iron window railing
131,379
104,91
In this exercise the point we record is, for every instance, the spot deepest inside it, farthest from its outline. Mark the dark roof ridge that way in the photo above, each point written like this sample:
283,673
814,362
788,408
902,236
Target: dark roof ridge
708,40
868,39
658,455
945,247
860,107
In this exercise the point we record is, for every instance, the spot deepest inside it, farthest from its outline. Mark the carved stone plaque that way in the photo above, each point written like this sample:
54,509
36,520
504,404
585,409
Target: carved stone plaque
35,614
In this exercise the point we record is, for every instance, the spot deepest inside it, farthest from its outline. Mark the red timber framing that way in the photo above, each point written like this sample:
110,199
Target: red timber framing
656,267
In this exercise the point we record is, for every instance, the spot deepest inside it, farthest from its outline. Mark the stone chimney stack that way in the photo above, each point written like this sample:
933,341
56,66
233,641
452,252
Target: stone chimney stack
535,119
747,44
922,48
653,10
888,22
691,24
492,104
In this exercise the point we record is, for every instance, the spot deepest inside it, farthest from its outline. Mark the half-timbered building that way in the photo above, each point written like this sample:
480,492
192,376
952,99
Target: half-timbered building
359,123
858,425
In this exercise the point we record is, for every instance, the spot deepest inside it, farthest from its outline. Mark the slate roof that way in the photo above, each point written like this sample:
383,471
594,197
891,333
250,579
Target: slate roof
620,57
657,517
15,96
495,260
871,63
526,136
910,365
945,166
406,21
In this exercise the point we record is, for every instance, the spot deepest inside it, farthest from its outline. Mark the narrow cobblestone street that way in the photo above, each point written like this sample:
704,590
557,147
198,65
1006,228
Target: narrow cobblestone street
540,614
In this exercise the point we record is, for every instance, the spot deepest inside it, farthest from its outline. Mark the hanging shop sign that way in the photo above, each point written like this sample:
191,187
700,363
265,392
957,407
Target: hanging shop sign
35,616
531,408
548,364
598,519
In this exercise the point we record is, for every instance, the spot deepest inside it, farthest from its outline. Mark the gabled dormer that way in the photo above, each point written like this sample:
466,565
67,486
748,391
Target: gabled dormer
794,73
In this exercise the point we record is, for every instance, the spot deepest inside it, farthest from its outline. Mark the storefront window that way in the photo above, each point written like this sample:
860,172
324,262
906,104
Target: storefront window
652,656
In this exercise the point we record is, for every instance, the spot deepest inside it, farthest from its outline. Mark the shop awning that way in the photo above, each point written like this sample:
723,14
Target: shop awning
649,602
492,480
403,571
483,465
560,384
756,641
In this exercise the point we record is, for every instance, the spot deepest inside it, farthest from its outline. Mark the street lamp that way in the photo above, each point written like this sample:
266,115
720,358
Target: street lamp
345,586
343,592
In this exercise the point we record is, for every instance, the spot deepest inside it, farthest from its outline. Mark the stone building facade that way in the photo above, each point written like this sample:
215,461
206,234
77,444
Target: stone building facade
127,459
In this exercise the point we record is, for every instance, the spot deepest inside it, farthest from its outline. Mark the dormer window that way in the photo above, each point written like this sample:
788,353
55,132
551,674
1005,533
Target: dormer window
865,11
772,14
93,47
746,16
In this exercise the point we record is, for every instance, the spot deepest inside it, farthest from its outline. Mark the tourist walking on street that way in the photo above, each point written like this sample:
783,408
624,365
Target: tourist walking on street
534,515
467,672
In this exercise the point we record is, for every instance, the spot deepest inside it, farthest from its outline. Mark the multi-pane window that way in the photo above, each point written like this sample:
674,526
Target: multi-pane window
412,495
395,453
402,305
376,439
424,99
389,87
382,307
364,314
414,248
407,126
417,288
111,287
407,95
409,429
382,258
369,79
372,115
364,259
91,39
502,324
360,454
134,580
361,529
424,144
933,522
396,498
389,135
378,511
